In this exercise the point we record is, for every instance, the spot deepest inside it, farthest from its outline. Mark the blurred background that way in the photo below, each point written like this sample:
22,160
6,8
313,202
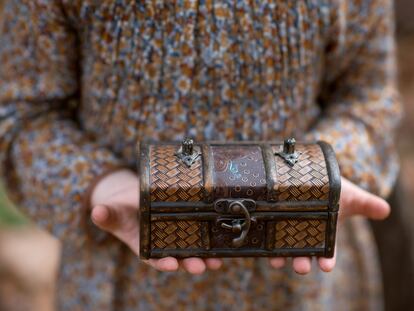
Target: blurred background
29,257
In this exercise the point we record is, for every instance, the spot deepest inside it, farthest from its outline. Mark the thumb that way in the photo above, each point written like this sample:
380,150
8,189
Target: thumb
357,201
121,222
104,217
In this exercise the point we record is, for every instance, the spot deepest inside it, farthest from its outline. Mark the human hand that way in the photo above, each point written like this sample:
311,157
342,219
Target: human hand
354,201
115,204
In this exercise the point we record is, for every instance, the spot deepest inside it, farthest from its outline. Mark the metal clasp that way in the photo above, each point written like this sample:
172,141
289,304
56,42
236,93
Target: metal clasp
236,225
188,153
289,154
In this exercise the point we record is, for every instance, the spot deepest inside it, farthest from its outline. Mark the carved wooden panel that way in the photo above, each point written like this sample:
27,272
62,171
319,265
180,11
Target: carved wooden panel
306,180
222,238
171,180
178,234
239,172
300,234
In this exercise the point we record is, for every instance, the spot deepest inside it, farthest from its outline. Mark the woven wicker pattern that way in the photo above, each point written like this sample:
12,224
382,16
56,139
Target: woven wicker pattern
171,180
300,234
175,234
306,180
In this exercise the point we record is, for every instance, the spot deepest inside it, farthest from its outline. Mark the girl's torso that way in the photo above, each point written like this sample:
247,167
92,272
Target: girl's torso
208,69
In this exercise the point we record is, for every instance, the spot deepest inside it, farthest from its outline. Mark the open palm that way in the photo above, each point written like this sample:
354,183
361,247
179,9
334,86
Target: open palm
115,203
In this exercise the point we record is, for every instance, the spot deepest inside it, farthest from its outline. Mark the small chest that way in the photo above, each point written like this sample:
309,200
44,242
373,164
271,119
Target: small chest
238,199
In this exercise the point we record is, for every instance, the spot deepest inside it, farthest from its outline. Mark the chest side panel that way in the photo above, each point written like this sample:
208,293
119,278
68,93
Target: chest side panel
176,234
307,180
239,172
170,179
173,181
293,233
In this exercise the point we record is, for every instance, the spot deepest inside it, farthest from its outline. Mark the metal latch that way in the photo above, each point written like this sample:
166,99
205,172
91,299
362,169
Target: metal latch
187,152
236,225
289,154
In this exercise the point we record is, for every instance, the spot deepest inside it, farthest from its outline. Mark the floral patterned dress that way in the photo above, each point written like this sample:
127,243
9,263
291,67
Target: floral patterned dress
81,81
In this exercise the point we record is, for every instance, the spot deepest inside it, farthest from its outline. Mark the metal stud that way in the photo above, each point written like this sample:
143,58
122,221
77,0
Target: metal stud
289,154
188,153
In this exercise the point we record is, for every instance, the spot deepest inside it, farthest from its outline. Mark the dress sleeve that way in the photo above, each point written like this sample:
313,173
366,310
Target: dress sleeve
361,107
46,160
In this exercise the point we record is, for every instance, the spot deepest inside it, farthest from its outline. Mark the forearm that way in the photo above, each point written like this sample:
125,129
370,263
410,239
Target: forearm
53,165
359,99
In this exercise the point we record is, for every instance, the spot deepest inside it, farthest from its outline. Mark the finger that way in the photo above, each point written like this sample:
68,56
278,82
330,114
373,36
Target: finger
375,207
361,202
166,264
213,263
277,262
104,217
302,265
194,265
327,264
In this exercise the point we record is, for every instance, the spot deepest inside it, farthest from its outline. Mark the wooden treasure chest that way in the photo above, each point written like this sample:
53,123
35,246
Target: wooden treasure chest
238,199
